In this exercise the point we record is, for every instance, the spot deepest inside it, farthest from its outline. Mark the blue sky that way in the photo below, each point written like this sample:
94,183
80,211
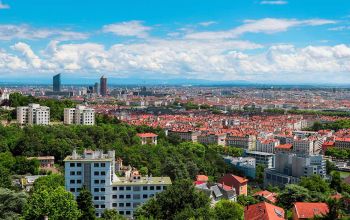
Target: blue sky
253,40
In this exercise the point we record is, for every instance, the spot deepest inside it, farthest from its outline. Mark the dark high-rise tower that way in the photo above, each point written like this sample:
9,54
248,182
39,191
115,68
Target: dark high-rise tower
56,83
103,86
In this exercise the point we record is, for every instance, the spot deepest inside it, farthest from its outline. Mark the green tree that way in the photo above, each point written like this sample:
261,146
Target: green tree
112,214
228,210
315,183
169,203
336,181
56,204
49,182
11,204
293,193
144,171
5,178
86,205
246,200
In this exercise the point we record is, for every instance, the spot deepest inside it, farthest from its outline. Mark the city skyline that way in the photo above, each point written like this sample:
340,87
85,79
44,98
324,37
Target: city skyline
253,41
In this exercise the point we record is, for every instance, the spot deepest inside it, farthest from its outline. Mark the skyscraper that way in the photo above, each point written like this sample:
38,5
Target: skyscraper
103,88
56,83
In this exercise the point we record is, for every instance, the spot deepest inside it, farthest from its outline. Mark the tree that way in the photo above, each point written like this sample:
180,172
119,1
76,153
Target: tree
336,182
228,210
49,182
144,171
246,200
178,197
86,205
293,193
112,214
11,203
5,178
56,204
315,183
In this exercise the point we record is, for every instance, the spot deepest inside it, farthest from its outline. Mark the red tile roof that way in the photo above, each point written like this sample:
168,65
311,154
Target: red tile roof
306,210
146,135
284,146
203,178
267,195
263,211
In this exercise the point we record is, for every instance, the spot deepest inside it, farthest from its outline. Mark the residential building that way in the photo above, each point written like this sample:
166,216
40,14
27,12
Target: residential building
263,211
240,184
103,86
289,168
212,138
185,135
246,165
217,191
243,141
148,138
80,115
286,148
267,145
33,114
45,161
56,83
342,143
96,171
308,210
265,159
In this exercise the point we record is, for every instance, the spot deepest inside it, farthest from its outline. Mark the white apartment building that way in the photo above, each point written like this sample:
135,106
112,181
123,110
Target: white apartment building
33,114
80,115
267,145
96,171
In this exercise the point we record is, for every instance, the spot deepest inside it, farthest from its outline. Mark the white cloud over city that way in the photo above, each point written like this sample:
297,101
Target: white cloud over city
212,55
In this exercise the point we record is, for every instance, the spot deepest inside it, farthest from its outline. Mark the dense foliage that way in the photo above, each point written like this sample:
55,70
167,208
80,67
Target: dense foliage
336,125
12,203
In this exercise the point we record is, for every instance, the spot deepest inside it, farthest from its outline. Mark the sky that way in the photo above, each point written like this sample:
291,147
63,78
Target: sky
267,41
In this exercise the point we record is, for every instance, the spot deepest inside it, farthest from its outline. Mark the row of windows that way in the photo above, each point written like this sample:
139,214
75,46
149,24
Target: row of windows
99,198
102,173
138,188
99,189
73,173
102,206
74,189
99,181
99,164
75,164
135,196
75,181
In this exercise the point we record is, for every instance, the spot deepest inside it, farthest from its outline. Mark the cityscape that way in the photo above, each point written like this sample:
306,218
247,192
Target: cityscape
154,117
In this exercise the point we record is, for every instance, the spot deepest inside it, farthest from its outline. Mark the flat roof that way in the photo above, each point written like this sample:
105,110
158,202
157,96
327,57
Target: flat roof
154,181
260,153
81,159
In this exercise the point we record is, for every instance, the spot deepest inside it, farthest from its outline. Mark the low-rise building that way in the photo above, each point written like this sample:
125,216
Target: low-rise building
242,141
246,165
265,159
240,184
148,138
218,139
263,211
45,161
185,135
267,145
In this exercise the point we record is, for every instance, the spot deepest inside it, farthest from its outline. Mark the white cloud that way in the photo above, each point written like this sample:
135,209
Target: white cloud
4,6
129,29
339,28
265,25
273,2
207,23
10,32
28,54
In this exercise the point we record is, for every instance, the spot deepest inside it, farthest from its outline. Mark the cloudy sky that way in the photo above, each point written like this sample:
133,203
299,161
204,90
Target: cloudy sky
297,41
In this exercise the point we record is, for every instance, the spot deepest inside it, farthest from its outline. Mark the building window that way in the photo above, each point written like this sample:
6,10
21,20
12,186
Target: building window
159,188
128,204
78,164
103,181
96,173
96,190
136,196
115,188
78,173
114,204
151,195
96,197
128,196
121,188
72,173
121,204
103,173
121,212
79,181
96,181
97,206
103,189
121,196
72,181
144,196
72,164
151,187
144,188
103,198
96,165
103,206
114,196
72,189
128,188
103,165
127,212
